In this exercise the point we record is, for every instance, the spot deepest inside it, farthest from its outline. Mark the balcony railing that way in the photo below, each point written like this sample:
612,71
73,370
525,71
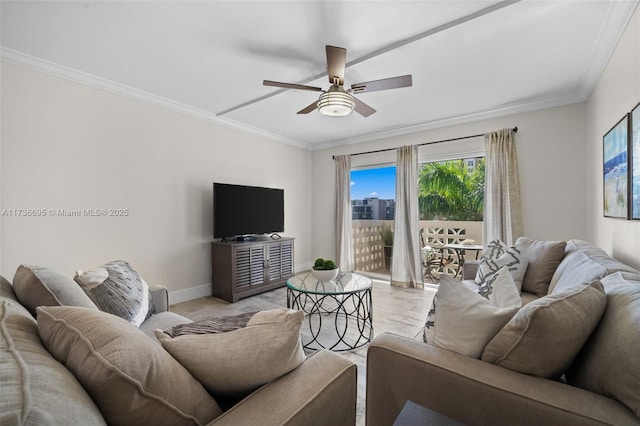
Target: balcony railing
368,246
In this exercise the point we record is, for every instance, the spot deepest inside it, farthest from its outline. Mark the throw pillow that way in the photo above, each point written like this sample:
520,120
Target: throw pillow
36,286
129,376
608,363
117,288
544,337
464,321
35,389
512,258
237,362
544,258
495,249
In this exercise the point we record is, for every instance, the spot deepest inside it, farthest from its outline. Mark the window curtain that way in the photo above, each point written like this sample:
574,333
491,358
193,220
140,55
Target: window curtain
343,231
502,211
406,269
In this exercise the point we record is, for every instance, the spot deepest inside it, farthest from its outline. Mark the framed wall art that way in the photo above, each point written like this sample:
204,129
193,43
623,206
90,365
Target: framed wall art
615,170
634,129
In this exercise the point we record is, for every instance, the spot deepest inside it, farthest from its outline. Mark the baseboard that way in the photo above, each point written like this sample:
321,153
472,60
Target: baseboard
189,294
204,290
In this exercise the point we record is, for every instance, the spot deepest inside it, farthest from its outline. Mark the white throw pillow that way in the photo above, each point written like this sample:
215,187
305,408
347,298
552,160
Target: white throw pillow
512,258
237,362
118,289
463,320
494,249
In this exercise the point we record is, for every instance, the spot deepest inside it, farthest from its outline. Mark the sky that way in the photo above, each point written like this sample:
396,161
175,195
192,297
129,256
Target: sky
380,182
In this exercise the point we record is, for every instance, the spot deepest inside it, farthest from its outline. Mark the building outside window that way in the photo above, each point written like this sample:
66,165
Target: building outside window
373,193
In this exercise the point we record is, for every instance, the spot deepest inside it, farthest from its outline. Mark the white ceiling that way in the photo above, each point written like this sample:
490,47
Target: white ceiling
469,59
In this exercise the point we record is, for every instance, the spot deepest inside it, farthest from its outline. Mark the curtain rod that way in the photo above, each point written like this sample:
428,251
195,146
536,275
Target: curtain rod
515,130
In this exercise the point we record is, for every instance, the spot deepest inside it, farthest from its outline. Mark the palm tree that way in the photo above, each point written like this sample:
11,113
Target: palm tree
447,190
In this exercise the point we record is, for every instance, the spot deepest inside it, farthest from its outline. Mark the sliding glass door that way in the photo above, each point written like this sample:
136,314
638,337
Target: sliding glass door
373,211
451,200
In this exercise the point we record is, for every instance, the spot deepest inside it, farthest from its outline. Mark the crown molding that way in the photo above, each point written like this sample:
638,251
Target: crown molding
600,55
80,77
522,107
40,65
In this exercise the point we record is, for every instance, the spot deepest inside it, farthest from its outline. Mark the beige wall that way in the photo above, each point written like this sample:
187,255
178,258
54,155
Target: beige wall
69,146
617,92
551,155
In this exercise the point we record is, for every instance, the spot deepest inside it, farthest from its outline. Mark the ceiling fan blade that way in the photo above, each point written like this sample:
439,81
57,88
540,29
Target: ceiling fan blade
383,84
291,86
308,109
336,60
362,108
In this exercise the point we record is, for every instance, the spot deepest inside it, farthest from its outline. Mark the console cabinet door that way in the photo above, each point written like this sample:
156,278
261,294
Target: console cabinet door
280,264
249,266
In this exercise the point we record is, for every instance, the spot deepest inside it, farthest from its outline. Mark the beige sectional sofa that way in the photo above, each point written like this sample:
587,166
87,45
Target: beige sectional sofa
37,389
602,385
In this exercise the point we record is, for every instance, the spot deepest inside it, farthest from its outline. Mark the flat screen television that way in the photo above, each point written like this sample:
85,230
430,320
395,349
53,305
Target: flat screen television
240,210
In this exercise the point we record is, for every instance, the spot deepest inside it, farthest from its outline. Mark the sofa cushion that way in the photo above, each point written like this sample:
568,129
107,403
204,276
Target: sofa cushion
162,321
577,267
118,289
36,389
544,258
515,261
544,337
36,286
6,291
584,262
131,379
237,362
463,321
608,363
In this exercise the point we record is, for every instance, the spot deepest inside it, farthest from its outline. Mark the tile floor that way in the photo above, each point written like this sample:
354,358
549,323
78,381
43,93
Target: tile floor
395,310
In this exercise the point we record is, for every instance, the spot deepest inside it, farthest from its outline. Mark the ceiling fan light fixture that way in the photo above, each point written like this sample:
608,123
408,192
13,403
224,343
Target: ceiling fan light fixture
336,104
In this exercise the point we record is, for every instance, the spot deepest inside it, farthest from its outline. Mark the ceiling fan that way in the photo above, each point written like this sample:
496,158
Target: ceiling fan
336,101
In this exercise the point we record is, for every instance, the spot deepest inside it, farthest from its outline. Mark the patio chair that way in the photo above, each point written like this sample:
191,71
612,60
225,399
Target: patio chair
434,258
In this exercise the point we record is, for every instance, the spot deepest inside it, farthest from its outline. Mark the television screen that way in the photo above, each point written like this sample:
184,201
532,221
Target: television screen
244,210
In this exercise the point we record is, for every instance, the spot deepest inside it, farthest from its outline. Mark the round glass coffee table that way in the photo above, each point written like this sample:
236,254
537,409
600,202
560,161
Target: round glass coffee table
338,312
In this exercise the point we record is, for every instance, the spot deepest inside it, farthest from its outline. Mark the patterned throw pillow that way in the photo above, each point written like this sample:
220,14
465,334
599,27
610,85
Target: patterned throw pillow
463,320
494,250
117,288
511,257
